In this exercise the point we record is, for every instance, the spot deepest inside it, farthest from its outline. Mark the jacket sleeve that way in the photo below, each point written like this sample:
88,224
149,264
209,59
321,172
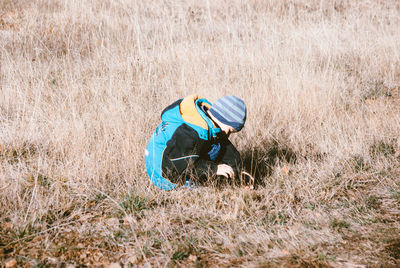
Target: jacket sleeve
181,157
204,169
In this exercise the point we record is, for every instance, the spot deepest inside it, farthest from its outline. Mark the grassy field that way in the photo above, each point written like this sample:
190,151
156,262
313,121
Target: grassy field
82,85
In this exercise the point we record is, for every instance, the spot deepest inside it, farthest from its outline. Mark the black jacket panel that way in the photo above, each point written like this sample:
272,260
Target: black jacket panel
187,156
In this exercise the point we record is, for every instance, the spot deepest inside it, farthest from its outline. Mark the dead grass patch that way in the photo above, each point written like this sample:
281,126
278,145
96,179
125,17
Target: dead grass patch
83,83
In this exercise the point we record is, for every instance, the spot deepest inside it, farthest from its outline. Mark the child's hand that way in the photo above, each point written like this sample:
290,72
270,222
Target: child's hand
225,170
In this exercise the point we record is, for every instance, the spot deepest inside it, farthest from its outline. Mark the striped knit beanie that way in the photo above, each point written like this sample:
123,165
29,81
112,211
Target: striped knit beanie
230,110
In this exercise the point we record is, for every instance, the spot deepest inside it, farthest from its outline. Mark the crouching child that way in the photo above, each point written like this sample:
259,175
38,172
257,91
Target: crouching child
191,144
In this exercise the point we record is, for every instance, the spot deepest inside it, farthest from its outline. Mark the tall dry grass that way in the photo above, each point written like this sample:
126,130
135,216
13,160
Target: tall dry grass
82,86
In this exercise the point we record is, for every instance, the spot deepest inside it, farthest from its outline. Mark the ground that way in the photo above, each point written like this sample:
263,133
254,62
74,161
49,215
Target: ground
82,87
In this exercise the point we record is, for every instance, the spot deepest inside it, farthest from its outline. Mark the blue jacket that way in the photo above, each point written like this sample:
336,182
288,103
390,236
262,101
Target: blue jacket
186,145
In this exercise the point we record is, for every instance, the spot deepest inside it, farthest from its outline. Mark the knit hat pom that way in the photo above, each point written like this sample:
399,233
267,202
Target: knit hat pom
231,111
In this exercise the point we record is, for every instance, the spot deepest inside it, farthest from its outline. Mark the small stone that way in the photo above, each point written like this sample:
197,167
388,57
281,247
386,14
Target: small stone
285,170
225,217
114,265
52,260
114,222
128,220
147,265
80,245
70,266
97,256
11,263
192,258
147,212
286,252
132,259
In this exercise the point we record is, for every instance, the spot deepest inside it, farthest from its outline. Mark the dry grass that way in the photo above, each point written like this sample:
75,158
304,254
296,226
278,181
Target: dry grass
82,85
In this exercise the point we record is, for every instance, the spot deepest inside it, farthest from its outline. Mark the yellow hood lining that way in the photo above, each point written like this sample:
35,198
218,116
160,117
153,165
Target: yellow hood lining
189,111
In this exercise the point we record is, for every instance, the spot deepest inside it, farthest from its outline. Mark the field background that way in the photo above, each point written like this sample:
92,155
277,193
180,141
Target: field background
82,85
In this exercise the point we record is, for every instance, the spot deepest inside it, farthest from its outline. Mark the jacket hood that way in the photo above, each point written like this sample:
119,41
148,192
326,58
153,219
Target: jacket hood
191,113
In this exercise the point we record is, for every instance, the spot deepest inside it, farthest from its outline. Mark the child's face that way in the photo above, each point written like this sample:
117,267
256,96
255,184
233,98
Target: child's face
226,130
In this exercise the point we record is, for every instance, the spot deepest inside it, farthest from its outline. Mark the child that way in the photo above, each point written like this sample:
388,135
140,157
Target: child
191,143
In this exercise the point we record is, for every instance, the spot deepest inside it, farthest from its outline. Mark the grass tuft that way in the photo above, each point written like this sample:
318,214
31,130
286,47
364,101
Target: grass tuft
339,224
132,203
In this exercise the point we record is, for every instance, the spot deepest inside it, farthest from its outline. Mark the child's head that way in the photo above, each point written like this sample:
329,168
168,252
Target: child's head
230,112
